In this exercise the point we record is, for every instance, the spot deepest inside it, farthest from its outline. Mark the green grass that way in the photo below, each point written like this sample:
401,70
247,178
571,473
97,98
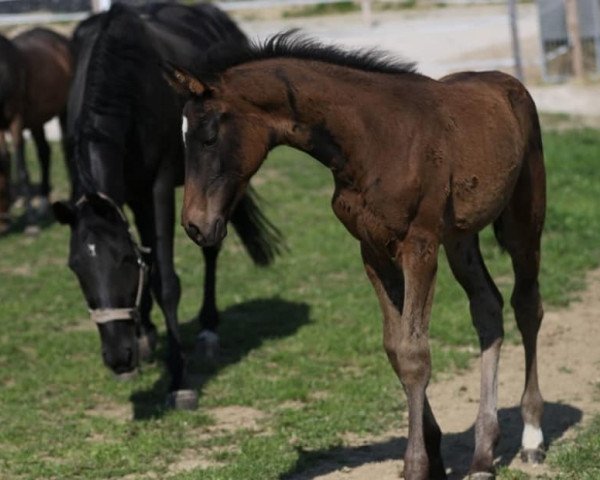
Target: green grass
579,459
301,340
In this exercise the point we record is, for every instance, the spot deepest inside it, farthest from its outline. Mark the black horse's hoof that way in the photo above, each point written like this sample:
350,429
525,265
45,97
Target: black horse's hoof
127,376
32,230
208,346
5,225
183,400
147,346
481,476
534,456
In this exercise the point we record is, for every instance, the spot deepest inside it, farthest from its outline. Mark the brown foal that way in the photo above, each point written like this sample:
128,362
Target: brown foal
417,163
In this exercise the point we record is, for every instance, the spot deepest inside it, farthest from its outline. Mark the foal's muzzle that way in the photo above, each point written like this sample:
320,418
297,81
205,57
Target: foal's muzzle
210,235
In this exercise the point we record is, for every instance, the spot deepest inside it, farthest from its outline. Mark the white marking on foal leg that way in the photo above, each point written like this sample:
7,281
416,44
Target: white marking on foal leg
533,438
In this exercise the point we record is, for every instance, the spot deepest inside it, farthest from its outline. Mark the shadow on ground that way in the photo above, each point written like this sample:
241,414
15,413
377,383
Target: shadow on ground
243,328
457,448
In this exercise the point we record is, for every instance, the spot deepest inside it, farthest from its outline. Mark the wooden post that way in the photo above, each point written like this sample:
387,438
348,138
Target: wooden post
572,17
516,46
366,12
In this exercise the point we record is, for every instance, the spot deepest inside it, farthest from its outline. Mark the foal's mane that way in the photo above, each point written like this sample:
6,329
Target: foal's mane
295,45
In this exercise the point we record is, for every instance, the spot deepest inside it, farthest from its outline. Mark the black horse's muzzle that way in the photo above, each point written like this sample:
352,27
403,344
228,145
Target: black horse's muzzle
120,351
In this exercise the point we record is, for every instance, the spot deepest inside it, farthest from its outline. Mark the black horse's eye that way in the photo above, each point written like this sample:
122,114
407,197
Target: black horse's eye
209,142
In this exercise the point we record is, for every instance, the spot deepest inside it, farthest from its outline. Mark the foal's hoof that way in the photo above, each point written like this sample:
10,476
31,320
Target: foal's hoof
535,456
183,400
147,345
207,346
127,376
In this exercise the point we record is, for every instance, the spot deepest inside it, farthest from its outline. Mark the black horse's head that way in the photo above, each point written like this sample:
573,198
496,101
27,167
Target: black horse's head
110,269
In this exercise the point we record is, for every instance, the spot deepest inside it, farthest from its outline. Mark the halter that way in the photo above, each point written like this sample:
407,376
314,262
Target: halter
105,315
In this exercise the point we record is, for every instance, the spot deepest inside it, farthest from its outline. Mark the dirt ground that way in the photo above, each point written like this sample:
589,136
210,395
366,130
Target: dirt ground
569,377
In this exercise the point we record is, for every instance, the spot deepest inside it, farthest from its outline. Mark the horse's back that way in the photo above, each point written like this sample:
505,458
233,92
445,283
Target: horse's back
494,127
49,69
11,78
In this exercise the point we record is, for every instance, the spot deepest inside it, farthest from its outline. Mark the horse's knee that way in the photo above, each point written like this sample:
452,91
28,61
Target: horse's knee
411,360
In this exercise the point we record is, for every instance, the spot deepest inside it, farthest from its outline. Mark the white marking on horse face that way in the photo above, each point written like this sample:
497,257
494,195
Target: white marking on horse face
91,249
184,127
532,437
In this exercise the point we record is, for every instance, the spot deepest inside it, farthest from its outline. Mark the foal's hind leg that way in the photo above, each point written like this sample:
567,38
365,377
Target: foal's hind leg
486,303
208,339
43,151
519,229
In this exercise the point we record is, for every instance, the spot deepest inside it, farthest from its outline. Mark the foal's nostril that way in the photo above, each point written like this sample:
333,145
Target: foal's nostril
194,233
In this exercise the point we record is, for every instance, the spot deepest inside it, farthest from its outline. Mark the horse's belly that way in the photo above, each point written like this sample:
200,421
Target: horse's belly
479,195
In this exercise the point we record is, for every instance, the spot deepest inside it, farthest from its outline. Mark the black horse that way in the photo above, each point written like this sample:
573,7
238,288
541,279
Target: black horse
126,133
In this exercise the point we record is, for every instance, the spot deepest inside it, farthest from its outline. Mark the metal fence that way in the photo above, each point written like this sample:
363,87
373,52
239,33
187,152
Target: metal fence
556,48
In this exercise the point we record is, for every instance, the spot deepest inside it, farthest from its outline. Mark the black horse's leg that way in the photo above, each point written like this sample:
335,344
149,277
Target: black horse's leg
67,147
43,151
23,181
208,339
167,289
4,185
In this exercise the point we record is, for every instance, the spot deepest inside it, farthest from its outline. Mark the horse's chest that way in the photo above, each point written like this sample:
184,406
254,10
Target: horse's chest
355,213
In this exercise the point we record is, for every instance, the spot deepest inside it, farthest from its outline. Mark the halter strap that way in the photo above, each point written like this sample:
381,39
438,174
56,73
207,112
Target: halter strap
105,315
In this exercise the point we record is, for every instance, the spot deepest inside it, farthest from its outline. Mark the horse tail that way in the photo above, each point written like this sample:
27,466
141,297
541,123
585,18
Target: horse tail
261,239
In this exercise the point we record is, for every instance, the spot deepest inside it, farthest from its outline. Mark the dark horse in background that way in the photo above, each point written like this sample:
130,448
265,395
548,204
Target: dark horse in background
417,164
126,129
36,68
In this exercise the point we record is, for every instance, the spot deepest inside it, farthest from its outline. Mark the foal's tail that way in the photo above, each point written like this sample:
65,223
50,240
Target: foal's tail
262,240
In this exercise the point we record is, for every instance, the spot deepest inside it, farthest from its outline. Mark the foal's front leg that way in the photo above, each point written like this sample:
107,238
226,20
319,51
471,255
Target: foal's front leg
405,287
208,339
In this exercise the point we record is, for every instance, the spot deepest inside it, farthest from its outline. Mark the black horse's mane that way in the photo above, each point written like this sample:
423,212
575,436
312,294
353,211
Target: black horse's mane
294,44
119,55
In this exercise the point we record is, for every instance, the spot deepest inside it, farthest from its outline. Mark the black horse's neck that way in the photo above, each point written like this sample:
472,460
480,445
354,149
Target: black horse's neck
102,156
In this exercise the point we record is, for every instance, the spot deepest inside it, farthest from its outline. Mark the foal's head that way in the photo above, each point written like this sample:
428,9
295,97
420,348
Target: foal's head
226,141
109,267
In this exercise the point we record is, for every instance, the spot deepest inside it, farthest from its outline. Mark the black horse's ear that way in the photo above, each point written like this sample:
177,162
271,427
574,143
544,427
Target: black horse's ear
183,82
102,206
64,212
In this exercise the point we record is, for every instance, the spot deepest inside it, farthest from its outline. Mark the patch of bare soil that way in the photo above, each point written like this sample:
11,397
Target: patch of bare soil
569,361
113,411
227,421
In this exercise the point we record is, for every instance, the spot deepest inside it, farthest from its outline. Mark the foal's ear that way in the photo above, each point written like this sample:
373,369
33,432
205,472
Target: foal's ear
64,212
183,82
